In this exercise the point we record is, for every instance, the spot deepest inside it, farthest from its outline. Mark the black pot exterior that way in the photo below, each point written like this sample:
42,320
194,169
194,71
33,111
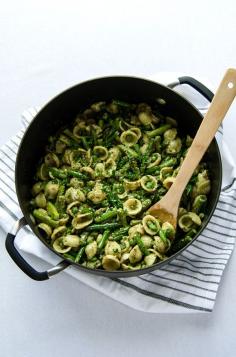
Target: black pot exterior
62,110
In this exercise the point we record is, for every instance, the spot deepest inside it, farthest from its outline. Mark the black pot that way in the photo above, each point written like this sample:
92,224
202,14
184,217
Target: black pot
62,109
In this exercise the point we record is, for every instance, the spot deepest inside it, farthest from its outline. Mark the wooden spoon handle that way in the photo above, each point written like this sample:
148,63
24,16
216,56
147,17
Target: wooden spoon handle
221,102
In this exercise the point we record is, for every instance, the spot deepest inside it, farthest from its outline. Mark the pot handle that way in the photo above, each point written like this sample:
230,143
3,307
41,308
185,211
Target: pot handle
192,82
21,262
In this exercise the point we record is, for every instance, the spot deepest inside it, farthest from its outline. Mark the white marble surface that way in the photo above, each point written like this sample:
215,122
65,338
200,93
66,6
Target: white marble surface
47,47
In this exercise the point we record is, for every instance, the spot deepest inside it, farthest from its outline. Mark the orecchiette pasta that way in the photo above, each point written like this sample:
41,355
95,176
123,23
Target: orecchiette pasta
149,183
174,146
82,220
132,206
129,138
131,185
151,225
188,221
99,176
101,152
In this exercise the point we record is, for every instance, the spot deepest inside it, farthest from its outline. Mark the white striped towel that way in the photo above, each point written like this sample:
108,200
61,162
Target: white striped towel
187,284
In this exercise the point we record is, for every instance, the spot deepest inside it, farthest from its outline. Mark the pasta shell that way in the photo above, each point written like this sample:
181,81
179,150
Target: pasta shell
151,225
168,182
82,220
91,249
188,220
58,232
70,207
148,183
45,229
114,153
71,241
131,185
128,138
138,228
101,152
135,255
59,247
110,262
132,206
155,159
113,248
150,259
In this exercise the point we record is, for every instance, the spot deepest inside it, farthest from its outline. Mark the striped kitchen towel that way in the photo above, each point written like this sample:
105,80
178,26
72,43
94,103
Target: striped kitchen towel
187,284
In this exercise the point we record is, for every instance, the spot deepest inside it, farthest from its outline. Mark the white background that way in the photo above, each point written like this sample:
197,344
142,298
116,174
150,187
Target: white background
44,49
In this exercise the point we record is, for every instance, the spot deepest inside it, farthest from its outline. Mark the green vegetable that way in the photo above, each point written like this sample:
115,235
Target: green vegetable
162,235
159,130
57,173
119,234
139,241
127,150
101,173
69,256
102,227
107,215
104,239
43,217
52,211
76,174
79,255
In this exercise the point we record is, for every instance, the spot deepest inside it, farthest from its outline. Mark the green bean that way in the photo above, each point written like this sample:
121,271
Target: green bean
107,215
57,173
140,243
76,174
102,227
80,254
162,235
43,217
60,200
133,222
111,137
69,256
104,239
52,211
153,170
118,235
158,131
127,150
63,174
167,162
137,149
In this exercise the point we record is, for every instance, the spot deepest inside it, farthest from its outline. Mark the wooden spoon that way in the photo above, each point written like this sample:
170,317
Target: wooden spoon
167,208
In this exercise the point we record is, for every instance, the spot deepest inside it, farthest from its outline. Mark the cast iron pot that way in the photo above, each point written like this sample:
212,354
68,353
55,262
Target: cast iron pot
62,109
